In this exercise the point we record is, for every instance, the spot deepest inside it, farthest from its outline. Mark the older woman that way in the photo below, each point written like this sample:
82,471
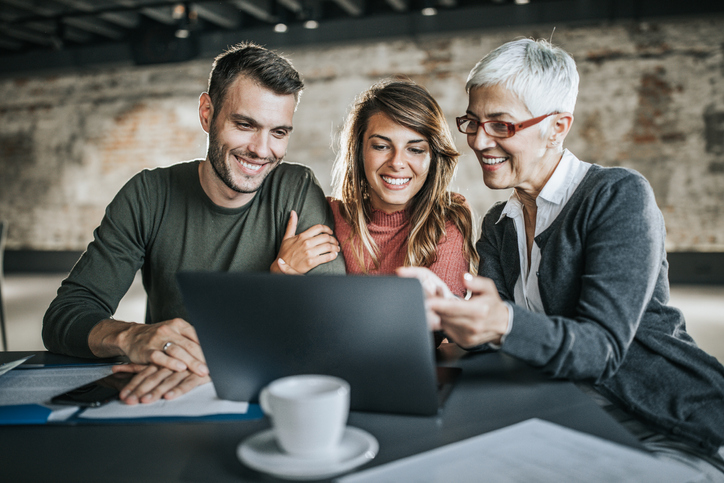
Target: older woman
575,265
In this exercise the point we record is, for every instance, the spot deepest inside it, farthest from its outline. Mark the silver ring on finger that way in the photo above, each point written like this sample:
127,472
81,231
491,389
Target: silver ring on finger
166,346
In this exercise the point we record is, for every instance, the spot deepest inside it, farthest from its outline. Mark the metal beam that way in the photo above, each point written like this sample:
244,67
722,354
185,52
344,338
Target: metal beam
77,4
9,14
76,35
221,14
10,44
50,29
293,5
261,9
399,5
160,14
26,35
35,7
129,20
352,7
45,27
96,26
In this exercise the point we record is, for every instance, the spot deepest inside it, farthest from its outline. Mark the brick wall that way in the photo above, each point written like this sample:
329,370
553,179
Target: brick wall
651,98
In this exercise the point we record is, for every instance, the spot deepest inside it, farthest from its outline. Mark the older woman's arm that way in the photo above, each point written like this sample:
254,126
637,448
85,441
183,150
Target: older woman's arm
596,279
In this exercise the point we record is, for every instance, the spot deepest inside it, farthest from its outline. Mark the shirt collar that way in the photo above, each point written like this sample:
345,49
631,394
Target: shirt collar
554,190
512,208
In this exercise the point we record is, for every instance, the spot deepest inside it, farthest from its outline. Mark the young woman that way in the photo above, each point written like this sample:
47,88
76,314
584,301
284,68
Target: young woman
392,206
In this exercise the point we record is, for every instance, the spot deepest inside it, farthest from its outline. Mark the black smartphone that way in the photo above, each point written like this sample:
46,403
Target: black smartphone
95,394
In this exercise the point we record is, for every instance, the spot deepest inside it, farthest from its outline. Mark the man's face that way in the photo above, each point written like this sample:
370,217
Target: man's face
248,137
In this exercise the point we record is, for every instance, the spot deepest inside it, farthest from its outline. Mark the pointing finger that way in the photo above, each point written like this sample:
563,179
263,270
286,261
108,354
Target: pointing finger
479,285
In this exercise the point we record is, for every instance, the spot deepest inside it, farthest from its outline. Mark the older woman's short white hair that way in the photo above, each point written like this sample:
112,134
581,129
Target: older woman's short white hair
543,77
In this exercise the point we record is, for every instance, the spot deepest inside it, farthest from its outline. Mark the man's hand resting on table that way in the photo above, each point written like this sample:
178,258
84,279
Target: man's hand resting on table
166,357
152,383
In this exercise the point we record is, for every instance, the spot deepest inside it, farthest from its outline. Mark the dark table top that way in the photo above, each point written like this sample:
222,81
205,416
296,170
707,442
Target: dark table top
493,391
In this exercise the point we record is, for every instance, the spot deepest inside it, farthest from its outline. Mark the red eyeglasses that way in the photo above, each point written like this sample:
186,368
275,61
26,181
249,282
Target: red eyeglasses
497,129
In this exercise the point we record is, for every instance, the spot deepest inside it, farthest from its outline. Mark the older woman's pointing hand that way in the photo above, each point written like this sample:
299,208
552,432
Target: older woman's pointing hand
478,320
481,319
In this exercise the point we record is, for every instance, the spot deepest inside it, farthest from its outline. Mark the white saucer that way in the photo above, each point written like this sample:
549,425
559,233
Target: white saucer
261,453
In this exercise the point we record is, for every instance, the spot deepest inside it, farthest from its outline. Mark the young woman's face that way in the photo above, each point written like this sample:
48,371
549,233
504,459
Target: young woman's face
396,162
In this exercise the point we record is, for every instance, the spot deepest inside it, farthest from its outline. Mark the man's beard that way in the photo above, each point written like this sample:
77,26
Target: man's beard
217,159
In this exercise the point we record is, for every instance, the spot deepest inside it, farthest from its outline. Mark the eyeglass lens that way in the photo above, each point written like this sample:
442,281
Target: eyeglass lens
492,128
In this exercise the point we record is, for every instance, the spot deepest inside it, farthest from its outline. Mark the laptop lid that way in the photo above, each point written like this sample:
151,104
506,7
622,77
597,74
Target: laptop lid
369,330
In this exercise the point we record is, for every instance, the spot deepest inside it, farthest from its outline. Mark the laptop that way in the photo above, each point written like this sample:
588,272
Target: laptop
369,330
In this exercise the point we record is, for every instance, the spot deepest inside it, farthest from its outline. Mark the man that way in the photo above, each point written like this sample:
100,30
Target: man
238,209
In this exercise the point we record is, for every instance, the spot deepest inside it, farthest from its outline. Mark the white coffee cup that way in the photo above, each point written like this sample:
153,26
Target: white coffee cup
308,412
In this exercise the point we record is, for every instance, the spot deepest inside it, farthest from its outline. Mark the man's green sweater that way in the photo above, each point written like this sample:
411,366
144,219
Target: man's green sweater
162,222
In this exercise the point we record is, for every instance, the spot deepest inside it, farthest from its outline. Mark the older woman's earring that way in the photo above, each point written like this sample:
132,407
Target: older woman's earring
554,143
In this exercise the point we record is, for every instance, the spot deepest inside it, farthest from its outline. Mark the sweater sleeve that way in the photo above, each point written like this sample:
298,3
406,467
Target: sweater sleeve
312,208
102,275
451,263
613,274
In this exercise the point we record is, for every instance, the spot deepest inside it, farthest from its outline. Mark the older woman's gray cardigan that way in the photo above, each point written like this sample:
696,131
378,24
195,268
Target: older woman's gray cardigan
603,281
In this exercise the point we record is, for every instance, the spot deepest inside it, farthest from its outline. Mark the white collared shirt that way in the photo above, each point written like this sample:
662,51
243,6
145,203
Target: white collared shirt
550,202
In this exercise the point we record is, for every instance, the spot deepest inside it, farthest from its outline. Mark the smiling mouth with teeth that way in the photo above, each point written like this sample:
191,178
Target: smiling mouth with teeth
396,181
491,161
253,167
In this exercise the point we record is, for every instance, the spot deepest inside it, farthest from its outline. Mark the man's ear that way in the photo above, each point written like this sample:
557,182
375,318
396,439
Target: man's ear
206,112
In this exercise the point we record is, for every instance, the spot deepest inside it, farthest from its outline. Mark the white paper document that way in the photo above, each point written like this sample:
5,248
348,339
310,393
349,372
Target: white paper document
200,401
533,450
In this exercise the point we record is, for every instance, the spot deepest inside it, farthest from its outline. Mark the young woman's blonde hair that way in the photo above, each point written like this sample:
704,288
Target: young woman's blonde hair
412,106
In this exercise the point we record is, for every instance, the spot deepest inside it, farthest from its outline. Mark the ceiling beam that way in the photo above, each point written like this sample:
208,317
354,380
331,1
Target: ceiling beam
160,14
50,29
354,8
36,8
221,14
77,4
261,9
95,26
399,5
293,5
126,19
10,44
129,20
9,13
26,35
76,35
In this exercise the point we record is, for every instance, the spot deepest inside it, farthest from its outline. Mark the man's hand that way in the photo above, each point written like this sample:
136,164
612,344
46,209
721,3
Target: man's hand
483,318
152,383
301,253
172,344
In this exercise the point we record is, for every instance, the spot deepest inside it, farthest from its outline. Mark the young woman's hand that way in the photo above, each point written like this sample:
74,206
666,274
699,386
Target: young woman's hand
301,253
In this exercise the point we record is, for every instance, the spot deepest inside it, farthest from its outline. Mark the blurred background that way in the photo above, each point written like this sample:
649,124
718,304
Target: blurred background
93,91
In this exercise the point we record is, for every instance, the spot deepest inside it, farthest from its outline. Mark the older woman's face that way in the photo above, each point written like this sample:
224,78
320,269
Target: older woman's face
396,163
521,161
